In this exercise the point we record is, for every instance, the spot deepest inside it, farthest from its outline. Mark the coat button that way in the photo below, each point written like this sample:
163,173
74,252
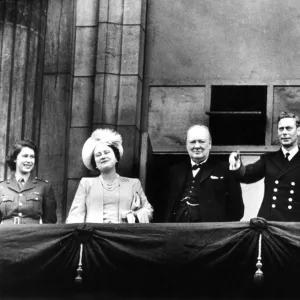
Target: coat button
20,214
273,205
274,197
275,190
291,191
276,181
20,195
20,204
36,198
290,199
292,183
290,207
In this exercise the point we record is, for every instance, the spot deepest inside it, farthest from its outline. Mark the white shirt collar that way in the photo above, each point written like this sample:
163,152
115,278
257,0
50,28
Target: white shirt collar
292,152
202,162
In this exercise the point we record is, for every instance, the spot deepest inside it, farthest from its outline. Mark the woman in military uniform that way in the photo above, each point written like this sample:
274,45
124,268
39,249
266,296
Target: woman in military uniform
108,198
25,199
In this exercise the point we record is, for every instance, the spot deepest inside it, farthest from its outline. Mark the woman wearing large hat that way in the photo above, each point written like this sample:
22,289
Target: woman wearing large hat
108,198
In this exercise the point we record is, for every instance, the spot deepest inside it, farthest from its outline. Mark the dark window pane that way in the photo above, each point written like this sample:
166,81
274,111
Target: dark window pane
238,115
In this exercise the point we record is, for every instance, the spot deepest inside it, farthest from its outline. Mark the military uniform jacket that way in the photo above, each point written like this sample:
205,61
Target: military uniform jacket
281,200
34,202
219,192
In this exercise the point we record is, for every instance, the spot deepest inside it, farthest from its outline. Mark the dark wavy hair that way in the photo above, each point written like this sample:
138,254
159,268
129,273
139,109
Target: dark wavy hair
16,149
284,115
116,152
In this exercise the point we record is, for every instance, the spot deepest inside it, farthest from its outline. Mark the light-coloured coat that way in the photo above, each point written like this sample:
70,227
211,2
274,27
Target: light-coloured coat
87,206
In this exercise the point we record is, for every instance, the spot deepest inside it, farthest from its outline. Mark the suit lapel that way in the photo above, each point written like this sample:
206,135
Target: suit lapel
207,169
291,165
186,168
124,204
97,199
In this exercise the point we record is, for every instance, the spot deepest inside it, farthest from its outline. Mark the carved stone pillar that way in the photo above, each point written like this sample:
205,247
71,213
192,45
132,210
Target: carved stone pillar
108,76
22,34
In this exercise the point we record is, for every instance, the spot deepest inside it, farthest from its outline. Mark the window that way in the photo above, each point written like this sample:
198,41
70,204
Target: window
238,115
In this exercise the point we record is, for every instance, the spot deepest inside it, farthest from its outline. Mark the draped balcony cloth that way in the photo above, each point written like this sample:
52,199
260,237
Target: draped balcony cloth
163,260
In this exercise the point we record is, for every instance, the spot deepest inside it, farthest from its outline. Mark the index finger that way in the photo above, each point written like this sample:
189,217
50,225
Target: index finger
237,155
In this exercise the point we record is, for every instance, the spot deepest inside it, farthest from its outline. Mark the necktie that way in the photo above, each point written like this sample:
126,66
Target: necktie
21,183
287,156
196,167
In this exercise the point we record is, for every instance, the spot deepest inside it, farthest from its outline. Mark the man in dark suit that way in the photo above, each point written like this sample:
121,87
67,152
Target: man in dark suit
201,189
281,170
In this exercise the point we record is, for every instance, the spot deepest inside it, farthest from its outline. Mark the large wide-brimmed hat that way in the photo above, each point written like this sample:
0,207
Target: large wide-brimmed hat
106,136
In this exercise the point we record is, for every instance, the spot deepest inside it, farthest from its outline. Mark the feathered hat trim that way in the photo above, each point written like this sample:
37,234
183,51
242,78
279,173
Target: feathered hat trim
106,136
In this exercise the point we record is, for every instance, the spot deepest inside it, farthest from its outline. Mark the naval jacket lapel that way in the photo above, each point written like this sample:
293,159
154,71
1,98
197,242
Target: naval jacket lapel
279,160
291,165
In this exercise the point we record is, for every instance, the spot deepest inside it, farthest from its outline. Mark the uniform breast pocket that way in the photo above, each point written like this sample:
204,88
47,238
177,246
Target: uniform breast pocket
6,199
34,202
7,205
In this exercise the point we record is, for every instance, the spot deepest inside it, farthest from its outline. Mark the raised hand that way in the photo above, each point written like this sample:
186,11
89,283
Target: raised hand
234,161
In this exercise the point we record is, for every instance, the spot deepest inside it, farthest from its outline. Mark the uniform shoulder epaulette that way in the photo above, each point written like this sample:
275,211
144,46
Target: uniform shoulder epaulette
43,180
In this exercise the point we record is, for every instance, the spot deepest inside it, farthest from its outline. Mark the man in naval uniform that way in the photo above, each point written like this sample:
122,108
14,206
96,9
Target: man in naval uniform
281,170
201,189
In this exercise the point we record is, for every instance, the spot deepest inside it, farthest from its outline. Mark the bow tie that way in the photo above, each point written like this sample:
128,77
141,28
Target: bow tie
196,167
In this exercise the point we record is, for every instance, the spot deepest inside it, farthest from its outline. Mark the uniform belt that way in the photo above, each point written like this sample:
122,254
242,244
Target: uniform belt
20,220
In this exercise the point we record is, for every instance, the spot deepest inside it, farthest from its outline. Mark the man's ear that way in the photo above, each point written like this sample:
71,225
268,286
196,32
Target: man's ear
298,131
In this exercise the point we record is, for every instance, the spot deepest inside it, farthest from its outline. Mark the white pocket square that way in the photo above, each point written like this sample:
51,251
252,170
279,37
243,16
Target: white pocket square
216,177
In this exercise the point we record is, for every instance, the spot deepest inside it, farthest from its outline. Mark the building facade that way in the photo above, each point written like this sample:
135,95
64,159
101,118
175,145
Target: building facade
149,69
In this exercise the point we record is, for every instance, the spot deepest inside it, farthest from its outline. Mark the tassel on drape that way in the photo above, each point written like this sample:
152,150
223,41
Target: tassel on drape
78,278
259,275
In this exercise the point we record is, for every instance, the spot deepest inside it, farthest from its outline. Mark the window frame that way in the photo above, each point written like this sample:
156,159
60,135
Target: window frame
249,149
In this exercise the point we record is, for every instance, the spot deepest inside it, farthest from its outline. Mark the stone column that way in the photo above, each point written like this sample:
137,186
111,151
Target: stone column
22,35
107,80
82,94
119,74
